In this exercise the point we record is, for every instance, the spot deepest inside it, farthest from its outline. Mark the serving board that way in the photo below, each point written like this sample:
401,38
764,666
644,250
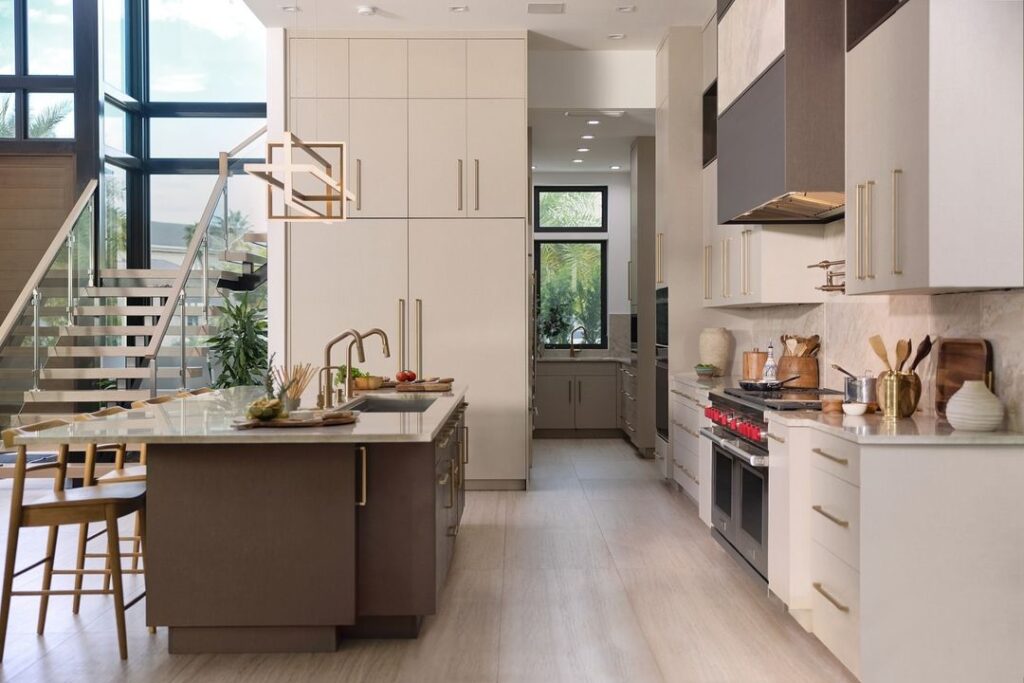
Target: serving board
960,360
406,387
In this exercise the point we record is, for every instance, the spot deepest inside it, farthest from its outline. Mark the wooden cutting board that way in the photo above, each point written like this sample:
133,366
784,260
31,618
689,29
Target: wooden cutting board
959,360
424,386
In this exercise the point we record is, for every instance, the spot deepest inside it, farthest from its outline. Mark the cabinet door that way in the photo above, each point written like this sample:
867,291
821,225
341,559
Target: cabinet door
437,68
595,402
751,36
496,143
496,68
555,401
301,67
331,67
748,264
378,158
378,68
317,251
473,327
437,158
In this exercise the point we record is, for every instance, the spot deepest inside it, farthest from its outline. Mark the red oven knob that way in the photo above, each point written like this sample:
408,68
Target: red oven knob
755,433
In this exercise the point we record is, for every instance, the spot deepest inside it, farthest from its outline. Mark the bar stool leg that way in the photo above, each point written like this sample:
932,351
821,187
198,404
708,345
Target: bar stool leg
136,543
83,535
141,525
113,544
44,599
8,586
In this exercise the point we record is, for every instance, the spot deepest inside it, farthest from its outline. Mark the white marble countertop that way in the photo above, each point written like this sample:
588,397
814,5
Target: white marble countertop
584,359
691,379
875,430
207,419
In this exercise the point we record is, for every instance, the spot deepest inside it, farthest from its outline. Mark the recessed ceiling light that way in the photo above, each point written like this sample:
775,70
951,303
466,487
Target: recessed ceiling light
533,168
586,137
290,8
545,8
626,9
615,168
616,36
583,149
366,10
593,122
577,161
458,8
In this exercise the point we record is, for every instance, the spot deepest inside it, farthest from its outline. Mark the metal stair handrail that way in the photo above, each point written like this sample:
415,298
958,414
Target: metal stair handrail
199,237
49,256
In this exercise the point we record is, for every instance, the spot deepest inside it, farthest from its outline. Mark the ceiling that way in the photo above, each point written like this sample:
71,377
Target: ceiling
556,138
584,25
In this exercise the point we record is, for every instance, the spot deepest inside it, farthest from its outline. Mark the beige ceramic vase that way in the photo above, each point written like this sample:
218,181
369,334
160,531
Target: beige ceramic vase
973,408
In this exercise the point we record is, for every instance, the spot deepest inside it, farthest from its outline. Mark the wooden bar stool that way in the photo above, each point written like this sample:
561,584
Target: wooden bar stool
75,506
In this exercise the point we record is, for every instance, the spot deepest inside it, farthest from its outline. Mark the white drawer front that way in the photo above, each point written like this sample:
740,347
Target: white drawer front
836,606
836,456
835,516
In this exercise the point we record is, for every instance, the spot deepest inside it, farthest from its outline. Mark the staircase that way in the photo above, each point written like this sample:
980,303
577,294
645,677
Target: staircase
81,338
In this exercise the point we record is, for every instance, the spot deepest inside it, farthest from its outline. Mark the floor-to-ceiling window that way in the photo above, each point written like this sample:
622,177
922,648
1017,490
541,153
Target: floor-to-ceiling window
183,80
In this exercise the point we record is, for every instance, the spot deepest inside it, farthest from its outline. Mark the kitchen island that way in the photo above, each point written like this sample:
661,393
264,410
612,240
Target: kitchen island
288,539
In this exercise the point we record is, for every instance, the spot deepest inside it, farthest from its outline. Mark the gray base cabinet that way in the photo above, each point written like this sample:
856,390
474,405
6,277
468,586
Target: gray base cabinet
576,395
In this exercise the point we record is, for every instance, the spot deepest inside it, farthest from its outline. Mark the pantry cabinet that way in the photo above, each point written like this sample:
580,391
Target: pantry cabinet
930,172
497,150
377,67
378,157
437,157
437,68
496,69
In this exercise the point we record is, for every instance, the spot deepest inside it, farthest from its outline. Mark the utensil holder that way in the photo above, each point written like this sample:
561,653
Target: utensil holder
804,366
898,394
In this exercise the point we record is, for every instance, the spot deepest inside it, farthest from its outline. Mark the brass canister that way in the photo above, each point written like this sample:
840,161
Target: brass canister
898,393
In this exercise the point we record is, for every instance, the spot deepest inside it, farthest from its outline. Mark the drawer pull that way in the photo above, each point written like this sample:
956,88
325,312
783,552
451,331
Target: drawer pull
830,517
828,596
829,456
775,438
629,395
679,393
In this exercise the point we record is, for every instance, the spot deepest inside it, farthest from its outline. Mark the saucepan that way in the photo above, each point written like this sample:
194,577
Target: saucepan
765,385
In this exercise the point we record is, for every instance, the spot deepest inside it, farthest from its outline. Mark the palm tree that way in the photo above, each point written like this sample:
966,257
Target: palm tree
43,125
570,290
7,117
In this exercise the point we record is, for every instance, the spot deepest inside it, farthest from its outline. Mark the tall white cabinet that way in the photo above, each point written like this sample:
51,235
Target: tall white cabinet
436,250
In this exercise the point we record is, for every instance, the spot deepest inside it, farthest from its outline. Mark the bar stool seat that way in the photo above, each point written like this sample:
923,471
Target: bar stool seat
83,504
124,474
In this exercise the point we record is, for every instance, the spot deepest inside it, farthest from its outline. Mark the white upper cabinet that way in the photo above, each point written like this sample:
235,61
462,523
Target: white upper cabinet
751,36
378,67
496,68
332,67
934,166
438,164
302,67
378,158
496,146
437,68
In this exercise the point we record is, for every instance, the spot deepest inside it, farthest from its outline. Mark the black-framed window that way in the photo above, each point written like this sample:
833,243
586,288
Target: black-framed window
570,208
572,290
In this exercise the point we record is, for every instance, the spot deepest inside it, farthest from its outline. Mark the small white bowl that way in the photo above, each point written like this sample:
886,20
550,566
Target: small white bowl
855,408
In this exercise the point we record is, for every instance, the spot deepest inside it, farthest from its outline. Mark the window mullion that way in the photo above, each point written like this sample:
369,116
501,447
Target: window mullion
20,38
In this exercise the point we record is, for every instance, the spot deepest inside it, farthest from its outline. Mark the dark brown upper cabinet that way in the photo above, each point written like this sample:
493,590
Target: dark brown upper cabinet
780,137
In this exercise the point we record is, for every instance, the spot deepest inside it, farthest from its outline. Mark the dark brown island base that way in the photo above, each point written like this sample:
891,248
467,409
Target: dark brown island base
288,540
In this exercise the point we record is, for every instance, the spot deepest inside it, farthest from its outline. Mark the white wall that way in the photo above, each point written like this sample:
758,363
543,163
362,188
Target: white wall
618,228
592,79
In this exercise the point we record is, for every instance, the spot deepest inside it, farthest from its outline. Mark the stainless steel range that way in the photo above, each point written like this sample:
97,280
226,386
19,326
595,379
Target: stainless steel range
739,465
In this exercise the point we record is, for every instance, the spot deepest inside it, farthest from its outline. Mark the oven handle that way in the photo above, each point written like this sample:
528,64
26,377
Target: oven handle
752,460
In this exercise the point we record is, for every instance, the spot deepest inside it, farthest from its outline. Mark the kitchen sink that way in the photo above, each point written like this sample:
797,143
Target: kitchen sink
391,404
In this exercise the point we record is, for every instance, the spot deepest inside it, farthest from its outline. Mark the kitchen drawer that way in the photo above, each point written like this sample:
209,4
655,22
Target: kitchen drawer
685,436
688,395
836,456
835,516
663,457
685,467
836,618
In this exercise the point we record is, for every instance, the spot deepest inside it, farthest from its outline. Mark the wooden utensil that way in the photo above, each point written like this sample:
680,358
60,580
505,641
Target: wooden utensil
844,371
878,346
791,345
923,349
801,350
902,353
960,360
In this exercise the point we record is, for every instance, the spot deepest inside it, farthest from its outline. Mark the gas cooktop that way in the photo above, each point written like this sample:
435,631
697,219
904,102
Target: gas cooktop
783,399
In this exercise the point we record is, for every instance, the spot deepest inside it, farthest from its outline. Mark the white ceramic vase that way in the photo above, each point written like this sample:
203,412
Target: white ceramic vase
715,343
973,408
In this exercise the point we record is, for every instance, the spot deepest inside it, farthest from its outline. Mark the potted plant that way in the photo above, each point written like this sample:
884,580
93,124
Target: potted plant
239,349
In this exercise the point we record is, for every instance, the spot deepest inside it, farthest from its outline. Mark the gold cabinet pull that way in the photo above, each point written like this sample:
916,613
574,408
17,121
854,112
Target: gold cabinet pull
359,184
707,272
465,447
773,437
629,280
859,231
829,456
830,517
460,186
828,596
419,337
401,335
453,469
453,531
362,488
660,265
897,267
869,228
476,183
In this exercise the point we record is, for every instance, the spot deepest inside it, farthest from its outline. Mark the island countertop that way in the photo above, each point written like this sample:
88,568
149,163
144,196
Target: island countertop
207,419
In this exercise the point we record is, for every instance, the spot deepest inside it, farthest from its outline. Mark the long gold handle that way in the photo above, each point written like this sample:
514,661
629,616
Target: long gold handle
401,335
897,267
419,337
362,496
707,272
773,437
829,456
869,228
725,269
859,231
629,280
476,183
465,447
359,184
579,391
451,489
745,262
660,265
460,184
828,596
830,517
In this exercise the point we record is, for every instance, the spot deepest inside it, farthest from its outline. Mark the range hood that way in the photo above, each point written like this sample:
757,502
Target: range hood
781,142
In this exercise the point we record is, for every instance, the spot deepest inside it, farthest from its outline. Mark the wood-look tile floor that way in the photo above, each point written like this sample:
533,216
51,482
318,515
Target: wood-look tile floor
601,572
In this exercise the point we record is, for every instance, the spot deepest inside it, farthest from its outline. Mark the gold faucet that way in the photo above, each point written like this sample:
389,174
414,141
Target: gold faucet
349,384
572,335
326,398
